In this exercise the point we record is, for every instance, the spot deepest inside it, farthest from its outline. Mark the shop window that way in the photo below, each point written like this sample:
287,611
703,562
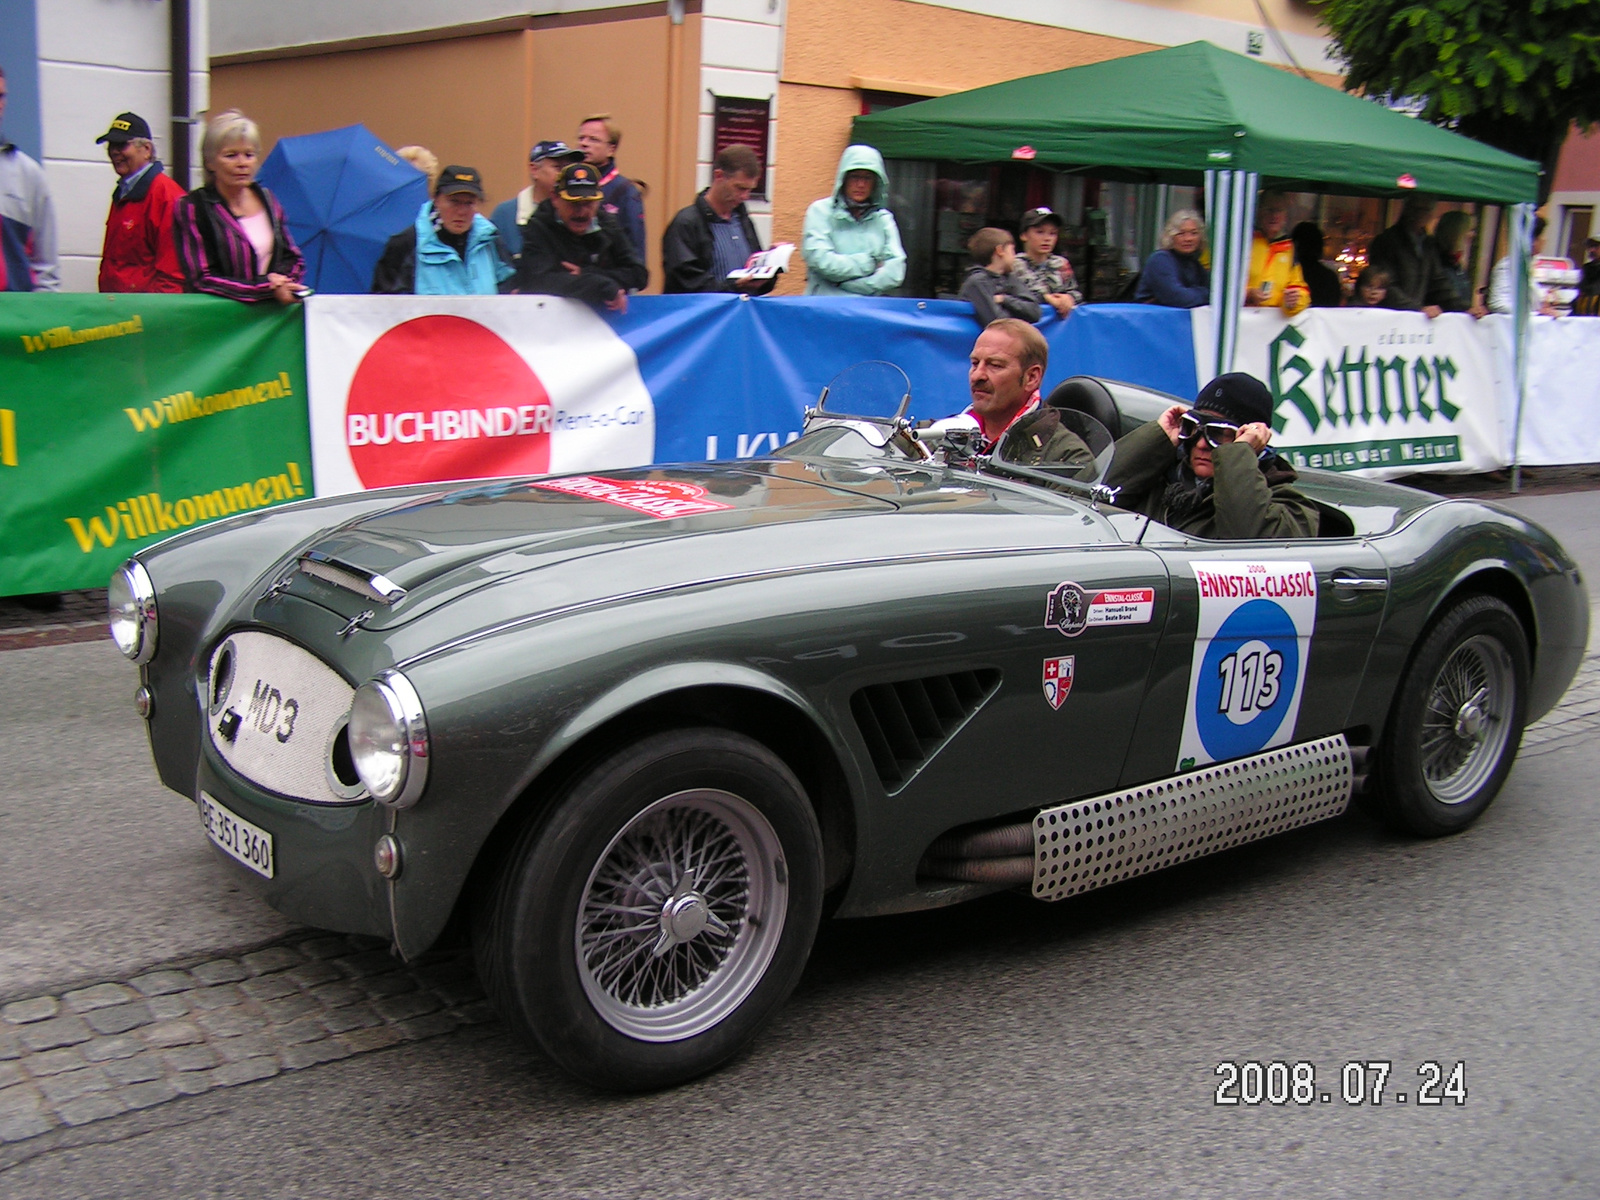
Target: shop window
1580,224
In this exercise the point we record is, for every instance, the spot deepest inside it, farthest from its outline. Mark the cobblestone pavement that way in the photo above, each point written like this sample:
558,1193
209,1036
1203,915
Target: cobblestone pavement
98,1051
110,1048
1577,716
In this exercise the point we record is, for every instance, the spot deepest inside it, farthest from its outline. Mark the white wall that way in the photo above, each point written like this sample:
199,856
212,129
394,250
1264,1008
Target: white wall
1160,26
239,26
741,53
98,58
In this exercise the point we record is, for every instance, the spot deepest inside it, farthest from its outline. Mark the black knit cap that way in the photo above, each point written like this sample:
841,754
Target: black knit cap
1236,397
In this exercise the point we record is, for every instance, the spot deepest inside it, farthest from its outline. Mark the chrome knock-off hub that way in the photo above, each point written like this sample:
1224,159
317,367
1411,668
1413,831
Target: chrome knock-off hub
685,916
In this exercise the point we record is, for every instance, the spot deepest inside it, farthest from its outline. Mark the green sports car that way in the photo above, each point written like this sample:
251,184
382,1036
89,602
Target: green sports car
642,730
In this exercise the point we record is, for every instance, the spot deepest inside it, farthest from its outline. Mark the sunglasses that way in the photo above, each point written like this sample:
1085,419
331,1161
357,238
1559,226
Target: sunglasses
1216,433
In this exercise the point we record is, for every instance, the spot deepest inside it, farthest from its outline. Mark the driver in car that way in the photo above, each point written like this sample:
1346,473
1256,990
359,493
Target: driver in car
1004,372
1207,471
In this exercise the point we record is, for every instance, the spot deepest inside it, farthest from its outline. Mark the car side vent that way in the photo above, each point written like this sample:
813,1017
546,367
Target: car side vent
905,724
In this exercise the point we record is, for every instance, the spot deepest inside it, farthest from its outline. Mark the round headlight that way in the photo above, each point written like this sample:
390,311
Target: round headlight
389,739
132,601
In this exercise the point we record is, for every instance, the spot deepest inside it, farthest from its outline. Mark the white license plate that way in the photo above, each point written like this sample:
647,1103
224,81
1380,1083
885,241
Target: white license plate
237,837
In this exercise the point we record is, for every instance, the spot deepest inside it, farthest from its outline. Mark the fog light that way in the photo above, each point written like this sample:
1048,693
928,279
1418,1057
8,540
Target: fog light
144,702
386,856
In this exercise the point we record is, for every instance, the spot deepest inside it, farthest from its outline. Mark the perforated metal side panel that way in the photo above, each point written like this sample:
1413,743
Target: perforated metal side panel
1090,843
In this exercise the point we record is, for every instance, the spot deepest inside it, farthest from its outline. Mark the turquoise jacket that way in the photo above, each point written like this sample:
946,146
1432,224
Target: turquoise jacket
847,257
440,270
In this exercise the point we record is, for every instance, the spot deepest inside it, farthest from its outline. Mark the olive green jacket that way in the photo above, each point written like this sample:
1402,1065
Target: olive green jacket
1249,498
1040,439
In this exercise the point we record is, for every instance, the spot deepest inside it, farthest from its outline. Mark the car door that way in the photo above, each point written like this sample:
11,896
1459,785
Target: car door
1266,643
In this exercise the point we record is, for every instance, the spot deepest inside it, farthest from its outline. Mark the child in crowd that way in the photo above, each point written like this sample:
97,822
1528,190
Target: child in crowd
990,285
1372,288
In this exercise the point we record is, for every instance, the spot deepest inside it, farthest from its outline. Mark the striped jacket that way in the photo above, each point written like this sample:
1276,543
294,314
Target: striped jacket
216,253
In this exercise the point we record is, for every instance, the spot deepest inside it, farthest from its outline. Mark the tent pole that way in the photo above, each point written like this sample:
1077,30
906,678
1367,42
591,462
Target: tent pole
1521,237
1230,216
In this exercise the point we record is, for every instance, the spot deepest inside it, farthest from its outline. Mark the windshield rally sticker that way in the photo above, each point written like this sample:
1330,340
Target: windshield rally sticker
659,498
1070,610
1058,674
1249,663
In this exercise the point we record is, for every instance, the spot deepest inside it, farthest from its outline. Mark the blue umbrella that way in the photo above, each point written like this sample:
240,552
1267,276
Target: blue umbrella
345,194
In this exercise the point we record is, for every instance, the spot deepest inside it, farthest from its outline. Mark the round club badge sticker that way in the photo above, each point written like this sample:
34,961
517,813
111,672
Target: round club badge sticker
1249,662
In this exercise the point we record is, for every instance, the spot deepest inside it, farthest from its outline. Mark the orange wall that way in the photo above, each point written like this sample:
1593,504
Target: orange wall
1579,167
484,100
828,43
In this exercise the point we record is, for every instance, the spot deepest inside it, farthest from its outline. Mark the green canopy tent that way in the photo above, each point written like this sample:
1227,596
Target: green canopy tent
1198,113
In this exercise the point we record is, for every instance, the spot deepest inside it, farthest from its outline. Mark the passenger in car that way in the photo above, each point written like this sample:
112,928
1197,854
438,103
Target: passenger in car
1206,470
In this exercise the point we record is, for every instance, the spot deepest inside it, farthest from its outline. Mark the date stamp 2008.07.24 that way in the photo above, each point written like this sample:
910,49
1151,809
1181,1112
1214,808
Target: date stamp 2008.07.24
1250,1082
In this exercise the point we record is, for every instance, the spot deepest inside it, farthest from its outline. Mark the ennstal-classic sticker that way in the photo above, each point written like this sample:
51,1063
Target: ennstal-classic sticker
1069,609
1248,666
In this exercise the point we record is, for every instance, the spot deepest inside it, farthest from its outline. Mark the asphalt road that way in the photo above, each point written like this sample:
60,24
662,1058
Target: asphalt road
1005,1048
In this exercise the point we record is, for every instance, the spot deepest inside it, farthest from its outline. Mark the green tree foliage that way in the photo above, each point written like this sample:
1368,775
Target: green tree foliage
1516,74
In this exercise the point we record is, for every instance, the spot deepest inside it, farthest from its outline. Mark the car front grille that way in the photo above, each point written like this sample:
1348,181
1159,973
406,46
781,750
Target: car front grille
276,714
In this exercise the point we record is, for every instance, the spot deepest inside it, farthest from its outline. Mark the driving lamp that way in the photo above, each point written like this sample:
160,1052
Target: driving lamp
389,739
131,599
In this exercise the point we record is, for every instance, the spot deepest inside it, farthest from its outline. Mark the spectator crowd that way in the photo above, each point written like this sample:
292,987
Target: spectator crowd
578,230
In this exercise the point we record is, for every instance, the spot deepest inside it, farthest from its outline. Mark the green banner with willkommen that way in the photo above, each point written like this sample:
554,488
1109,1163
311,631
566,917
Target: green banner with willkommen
127,419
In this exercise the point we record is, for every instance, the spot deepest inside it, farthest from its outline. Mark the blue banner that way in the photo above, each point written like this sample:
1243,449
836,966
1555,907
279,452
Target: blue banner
731,377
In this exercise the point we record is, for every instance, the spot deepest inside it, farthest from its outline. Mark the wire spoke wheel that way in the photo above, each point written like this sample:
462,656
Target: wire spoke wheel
681,915
1465,725
1456,720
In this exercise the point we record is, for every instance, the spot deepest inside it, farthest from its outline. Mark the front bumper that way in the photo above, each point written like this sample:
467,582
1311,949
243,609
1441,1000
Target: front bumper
325,875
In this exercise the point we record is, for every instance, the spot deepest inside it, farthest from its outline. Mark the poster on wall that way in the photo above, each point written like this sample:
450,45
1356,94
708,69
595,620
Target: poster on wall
742,121
1375,392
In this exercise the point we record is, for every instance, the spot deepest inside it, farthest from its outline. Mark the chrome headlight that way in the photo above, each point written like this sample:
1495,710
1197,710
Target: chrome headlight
132,601
389,739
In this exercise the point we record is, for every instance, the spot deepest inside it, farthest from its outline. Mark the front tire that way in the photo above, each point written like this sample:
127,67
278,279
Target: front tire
647,929
1457,720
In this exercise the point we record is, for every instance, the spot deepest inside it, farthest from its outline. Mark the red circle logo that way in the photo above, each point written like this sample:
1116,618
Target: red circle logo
441,397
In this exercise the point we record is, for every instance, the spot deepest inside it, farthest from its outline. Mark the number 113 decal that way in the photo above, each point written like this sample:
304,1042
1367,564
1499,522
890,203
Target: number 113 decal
1252,642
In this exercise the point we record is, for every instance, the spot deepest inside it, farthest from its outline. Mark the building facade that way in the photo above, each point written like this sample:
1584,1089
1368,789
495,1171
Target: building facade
478,81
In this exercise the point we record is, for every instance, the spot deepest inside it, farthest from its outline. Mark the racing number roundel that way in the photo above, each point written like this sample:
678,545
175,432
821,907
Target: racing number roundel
1247,674
1248,678
441,397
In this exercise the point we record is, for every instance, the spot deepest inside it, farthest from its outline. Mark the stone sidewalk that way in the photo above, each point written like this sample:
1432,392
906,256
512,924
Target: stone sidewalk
99,1051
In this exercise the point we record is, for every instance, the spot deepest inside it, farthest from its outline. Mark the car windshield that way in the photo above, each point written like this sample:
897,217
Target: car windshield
1061,443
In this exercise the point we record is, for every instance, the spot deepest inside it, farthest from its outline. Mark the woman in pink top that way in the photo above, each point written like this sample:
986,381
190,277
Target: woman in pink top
232,238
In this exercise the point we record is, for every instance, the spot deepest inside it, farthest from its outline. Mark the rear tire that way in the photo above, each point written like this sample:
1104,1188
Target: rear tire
1457,720
645,931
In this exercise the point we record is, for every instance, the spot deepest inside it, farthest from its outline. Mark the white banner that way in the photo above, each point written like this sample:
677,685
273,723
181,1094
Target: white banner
1377,393
1558,420
417,389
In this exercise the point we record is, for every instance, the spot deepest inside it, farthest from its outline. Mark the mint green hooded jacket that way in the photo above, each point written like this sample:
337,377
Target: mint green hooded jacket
847,257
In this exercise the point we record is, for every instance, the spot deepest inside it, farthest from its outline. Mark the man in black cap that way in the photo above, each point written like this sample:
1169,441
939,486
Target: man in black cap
139,254
451,249
571,248
545,161
1206,470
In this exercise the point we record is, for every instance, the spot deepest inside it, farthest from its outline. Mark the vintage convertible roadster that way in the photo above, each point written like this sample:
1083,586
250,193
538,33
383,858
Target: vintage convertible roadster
640,731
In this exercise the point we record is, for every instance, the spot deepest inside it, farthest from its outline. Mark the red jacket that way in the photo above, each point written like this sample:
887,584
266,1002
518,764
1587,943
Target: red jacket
139,254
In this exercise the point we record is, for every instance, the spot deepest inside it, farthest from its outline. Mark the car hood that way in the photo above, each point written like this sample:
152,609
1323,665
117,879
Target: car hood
447,543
